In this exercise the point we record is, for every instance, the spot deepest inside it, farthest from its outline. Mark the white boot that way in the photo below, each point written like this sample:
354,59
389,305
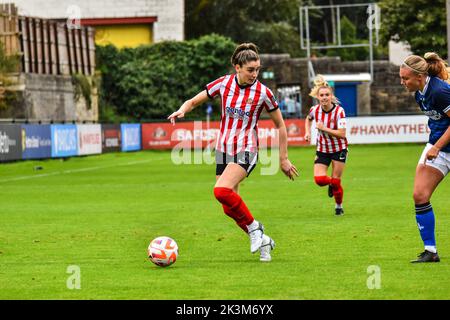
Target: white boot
267,245
255,231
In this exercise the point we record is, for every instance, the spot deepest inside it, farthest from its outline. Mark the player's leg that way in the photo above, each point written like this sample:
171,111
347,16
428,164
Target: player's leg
224,193
321,164
229,212
426,180
222,160
336,186
320,175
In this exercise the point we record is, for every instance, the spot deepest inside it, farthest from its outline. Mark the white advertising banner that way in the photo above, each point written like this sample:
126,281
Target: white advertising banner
89,139
389,129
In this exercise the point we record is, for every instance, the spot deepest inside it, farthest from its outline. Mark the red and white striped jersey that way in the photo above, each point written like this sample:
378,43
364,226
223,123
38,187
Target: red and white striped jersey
241,108
333,119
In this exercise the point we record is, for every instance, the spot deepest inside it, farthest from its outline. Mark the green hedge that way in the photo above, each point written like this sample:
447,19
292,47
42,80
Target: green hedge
152,81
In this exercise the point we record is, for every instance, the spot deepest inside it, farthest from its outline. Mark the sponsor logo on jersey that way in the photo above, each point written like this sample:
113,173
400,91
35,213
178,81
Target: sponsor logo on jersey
237,113
433,114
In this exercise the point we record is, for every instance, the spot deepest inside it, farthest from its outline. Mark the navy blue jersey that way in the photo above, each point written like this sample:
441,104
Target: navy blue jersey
435,103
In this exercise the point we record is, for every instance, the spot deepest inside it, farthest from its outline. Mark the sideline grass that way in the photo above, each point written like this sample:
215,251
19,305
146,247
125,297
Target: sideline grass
100,212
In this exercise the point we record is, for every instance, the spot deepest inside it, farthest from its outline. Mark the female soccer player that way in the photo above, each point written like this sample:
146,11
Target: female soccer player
421,75
331,141
243,99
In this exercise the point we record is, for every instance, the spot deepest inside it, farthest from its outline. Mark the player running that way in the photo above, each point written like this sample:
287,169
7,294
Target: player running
243,98
421,75
331,140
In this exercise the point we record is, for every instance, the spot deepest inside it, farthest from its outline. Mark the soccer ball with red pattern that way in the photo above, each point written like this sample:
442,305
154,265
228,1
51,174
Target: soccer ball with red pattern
163,251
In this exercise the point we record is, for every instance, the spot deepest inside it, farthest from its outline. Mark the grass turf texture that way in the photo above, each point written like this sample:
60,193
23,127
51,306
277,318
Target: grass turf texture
100,213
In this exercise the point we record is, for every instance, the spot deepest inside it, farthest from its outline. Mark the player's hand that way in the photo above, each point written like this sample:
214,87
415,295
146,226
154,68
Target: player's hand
307,137
431,154
176,114
320,125
289,169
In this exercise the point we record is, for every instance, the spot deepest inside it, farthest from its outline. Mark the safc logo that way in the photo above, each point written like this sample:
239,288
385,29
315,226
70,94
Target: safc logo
159,133
237,113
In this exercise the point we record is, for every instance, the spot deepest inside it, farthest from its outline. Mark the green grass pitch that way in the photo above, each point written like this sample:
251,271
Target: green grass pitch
99,214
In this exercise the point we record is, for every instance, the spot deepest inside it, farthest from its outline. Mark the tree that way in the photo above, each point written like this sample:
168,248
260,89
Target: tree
151,81
272,25
420,23
348,34
324,20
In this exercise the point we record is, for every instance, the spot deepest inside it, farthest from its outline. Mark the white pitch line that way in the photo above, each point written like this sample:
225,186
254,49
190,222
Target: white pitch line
43,175
31,177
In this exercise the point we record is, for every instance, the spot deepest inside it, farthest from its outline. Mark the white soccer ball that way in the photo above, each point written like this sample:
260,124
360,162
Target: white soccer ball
163,251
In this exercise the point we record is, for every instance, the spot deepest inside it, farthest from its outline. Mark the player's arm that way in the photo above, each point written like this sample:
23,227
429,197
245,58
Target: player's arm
442,99
189,105
286,166
443,141
338,133
308,124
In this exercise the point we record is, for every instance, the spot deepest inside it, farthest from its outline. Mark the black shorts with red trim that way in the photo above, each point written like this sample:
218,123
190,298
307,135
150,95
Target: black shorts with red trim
326,158
247,160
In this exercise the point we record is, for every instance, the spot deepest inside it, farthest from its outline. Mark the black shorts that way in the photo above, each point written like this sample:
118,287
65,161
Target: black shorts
325,158
246,160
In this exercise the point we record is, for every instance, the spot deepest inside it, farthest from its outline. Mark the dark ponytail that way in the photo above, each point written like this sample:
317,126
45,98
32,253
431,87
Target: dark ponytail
245,53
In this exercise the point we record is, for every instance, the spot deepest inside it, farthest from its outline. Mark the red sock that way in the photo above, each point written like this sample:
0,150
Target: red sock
232,215
338,192
322,180
234,207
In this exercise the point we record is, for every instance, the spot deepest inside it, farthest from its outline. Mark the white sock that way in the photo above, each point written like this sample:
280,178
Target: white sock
431,249
339,206
252,226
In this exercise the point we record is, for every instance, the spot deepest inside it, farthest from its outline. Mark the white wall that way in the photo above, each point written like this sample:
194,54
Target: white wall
398,51
170,13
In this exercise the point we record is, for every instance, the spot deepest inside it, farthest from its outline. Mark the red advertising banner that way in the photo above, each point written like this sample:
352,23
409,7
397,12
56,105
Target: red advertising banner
296,132
200,134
